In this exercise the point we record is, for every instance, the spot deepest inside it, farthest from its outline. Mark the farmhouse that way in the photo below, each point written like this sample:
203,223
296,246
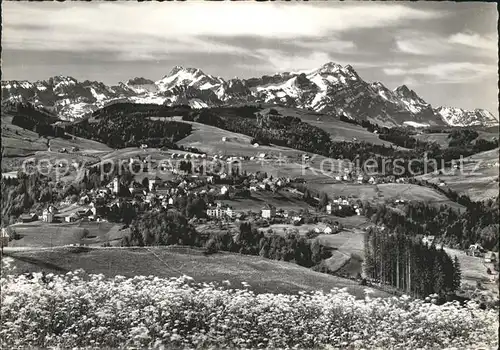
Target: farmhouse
328,230
71,218
28,217
85,212
269,211
48,214
224,190
154,183
329,207
475,250
220,211
490,257
4,238
428,240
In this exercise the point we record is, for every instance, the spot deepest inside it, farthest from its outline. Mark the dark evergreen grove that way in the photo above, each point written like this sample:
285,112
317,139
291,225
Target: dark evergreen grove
409,265
130,125
478,224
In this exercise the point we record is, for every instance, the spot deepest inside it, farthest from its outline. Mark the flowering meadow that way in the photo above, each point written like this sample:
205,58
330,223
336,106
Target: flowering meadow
80,310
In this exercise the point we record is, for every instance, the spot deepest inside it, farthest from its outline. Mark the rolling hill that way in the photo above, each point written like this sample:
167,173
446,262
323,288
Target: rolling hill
478,176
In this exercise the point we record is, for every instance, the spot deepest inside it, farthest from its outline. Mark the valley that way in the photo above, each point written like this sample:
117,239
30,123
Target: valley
276,177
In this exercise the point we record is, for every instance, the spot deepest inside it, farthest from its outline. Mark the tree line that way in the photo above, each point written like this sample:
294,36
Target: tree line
129,125
478,224
170,227
409,265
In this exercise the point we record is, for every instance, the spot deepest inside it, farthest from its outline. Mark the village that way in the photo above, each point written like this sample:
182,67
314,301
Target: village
226,194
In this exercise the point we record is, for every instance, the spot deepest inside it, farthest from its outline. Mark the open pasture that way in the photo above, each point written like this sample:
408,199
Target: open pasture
478,177
41,234
263,275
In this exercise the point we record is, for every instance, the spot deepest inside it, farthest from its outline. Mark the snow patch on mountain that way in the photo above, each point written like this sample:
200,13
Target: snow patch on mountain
331,88
416,125
461,117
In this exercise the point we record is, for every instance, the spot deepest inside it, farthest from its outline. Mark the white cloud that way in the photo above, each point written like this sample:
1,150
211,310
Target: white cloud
419,46
451,72
474,40
149,29
279,61
332,45
420,43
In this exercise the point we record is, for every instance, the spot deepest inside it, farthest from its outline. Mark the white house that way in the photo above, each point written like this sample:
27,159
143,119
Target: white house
360,179
329,208
153,183
428,239
372,181
220,211
71,218
475,250
490,257
268,212
224,190
49,213
4,238
116,185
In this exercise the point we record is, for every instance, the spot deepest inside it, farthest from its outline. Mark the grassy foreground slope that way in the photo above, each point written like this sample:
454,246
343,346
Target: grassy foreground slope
263,275
81,311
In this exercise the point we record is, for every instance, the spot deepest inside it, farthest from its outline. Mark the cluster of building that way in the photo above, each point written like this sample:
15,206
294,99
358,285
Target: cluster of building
52,214
343,203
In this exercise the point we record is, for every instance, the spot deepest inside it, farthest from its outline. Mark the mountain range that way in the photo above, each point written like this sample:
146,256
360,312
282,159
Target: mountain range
332,89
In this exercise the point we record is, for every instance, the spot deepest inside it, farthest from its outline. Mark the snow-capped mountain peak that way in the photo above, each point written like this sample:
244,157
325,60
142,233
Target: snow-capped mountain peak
460,117
180,76
331,88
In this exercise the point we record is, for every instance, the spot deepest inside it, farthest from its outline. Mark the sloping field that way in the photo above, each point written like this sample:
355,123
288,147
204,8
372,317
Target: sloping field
19,142
474,269
209,139
263,275
339,130
383,192
478,177
281,200
40,234
440,138
85,145
415,193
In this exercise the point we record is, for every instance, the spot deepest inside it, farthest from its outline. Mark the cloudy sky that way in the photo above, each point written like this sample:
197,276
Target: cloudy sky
446,52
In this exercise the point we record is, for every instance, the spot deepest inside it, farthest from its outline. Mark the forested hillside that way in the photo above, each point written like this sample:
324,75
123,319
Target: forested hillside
126,125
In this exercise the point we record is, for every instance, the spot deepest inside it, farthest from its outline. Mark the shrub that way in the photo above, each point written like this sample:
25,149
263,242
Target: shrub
78,310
